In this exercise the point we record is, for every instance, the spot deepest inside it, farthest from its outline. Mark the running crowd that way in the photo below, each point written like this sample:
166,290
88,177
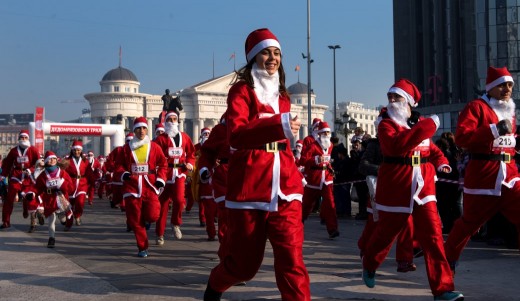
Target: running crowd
410,189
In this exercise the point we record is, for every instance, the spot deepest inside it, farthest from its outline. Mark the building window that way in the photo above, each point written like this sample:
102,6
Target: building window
127,89
135,90
299,101
116,88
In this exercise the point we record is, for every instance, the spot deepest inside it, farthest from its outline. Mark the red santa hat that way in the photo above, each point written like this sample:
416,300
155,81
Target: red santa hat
76,144
139,122
90,153
258,40
49,155
497,76
23,133
171,113
159,127
299,143
315,123
205,130
323,127
129,137
408,90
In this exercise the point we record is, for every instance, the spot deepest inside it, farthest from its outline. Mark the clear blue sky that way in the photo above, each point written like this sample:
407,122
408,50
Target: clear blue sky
53,51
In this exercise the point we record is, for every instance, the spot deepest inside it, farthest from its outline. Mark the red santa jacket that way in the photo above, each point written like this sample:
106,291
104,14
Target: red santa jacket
178,155
204,190
317,173
259,177
111,164
400,185
17,161
214,158
477,133
81,175
142,177
49,184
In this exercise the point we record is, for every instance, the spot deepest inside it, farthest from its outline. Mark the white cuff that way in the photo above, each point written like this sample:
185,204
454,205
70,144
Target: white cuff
494,130
437,121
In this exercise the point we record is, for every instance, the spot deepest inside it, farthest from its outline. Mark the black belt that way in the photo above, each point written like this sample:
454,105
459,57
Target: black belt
491,157
223,160
180,165
319,167
413,160
77,177
273,147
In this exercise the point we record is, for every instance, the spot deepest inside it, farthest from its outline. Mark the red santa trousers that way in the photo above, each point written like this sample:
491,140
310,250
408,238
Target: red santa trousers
327,209
12,190
138,212
210,211
427,230
78,203
172,193
404,244
222,215
247,237
477,210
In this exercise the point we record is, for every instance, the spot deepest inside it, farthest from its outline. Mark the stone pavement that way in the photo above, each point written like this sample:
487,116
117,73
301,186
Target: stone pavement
97,261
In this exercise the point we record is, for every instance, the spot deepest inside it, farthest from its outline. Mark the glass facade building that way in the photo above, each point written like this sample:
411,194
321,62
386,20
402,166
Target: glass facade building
445,47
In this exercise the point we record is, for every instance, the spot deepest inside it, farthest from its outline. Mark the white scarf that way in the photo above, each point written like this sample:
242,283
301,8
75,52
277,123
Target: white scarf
136,143
266,87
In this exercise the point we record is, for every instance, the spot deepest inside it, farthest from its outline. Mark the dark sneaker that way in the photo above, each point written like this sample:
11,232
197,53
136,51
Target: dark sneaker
66,228
31,229
404,267
5,226
369,278
334,234
211,295
51,242
449,296
142,254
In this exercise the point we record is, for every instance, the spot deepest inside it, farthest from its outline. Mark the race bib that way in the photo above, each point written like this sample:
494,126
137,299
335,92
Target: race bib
52,183
140,169
507,141
22,159
174,152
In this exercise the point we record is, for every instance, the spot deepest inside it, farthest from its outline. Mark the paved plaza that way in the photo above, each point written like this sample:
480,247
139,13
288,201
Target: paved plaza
97,261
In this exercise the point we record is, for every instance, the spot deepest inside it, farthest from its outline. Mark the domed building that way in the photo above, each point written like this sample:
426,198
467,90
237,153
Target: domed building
120,101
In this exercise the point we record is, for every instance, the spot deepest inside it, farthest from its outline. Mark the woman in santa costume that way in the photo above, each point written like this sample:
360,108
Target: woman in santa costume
264,201
180,152
486,129
142,169
319,177
53,187
410,162
82,175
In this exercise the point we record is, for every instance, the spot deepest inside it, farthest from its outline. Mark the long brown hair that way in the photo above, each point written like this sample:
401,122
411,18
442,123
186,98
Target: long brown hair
244,74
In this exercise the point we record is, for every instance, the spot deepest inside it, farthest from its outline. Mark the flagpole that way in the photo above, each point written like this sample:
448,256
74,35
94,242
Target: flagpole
234,60
120,55
213,64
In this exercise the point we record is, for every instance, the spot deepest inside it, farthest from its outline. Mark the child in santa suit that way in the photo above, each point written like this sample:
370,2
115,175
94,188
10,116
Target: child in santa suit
52,188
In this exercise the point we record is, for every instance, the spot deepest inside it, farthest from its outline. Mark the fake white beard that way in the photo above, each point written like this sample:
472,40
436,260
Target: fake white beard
136,143
24,143
503,109
202,140
324,142
171,128
297,153
266,87
398,112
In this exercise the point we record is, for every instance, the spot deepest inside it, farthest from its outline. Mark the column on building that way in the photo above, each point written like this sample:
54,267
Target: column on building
196,129
106,148
96,142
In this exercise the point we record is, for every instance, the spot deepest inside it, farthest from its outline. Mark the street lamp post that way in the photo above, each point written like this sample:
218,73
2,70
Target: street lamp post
347,124
334,71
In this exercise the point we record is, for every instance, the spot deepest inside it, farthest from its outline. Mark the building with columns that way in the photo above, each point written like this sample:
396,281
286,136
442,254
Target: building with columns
364,117
120,101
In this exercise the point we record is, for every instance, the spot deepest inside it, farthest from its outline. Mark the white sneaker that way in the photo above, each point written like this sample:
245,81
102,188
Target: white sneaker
177,232
159,241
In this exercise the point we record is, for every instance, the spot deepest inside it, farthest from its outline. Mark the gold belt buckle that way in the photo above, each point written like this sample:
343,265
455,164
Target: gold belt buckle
271,147
49,191
507,158
416,160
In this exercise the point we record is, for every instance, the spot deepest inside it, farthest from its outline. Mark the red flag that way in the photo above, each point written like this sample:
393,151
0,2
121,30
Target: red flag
231,57
297,68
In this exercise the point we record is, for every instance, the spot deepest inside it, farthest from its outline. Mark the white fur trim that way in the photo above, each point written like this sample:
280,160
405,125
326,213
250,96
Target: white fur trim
498,81
140,124
260,46
404,94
